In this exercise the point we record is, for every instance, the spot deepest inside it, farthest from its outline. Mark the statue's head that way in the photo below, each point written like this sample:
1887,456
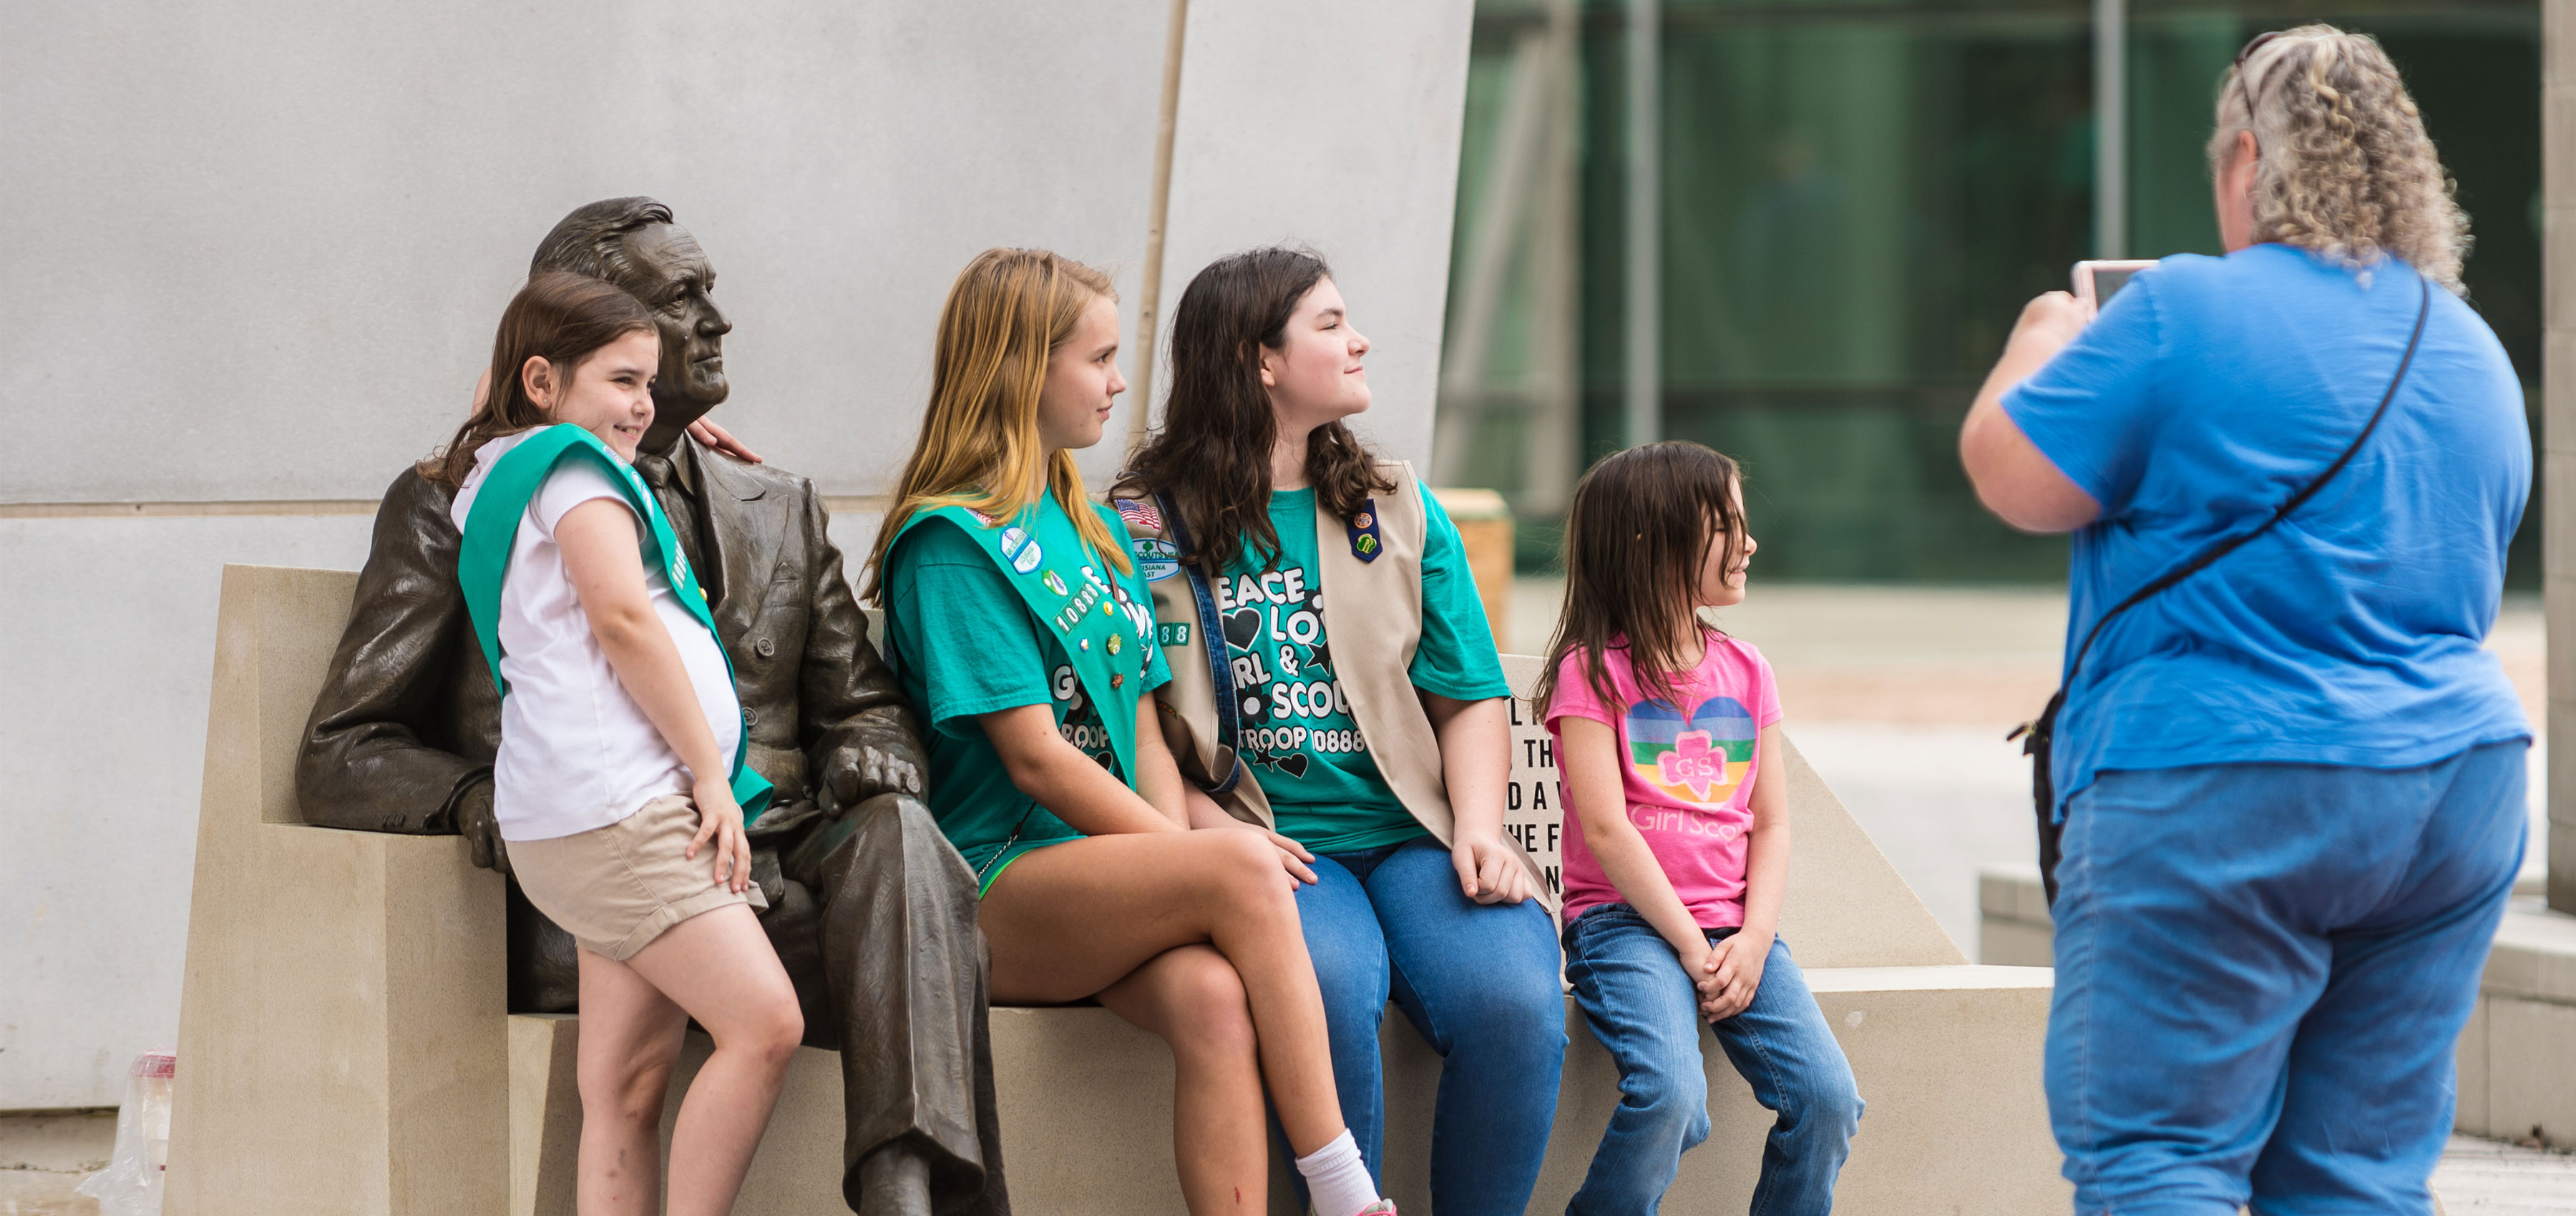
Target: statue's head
632,243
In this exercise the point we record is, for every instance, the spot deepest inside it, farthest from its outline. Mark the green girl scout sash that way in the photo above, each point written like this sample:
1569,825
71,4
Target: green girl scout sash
1106,634
493,526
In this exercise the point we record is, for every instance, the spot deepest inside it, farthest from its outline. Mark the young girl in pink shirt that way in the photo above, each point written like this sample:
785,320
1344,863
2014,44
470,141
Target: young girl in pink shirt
1677,854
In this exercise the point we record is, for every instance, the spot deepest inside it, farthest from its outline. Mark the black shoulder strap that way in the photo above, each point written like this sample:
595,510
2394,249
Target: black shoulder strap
1229,726
2225,546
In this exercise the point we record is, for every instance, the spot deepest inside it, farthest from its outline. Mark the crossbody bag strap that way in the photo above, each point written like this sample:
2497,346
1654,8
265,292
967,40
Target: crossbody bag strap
2040,745
1229,726
2203,560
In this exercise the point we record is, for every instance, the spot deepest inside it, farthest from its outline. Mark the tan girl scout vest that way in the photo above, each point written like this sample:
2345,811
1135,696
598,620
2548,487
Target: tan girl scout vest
1371,568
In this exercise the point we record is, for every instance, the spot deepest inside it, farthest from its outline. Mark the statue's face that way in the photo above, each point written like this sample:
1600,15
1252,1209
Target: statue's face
672,277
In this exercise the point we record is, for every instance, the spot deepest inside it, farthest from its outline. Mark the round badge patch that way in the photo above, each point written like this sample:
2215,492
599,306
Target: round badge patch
1157,559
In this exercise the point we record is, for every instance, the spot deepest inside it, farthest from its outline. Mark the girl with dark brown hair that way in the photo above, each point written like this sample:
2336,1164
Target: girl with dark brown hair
1364,731
1677,843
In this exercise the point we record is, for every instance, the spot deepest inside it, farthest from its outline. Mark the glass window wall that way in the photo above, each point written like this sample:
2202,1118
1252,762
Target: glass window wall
1856,197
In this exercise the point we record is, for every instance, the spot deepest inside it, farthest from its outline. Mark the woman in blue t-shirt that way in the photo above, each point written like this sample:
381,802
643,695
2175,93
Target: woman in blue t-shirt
2291,785
1019,629
1335,685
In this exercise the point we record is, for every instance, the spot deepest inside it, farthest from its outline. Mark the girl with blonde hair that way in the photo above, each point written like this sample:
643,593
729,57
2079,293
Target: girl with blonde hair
1020,629
2283,781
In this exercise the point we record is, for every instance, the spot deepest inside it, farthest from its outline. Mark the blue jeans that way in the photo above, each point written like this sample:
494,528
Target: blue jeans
1478,980
1641,1005
2262,972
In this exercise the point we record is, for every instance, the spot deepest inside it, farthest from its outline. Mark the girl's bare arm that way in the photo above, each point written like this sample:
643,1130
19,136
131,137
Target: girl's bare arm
1475,762
598,539
1072,785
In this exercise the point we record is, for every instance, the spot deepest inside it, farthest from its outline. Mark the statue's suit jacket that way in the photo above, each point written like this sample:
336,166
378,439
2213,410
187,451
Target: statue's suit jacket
408,719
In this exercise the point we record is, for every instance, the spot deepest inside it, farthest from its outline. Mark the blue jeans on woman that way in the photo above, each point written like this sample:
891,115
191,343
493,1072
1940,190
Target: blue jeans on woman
1478,980
1642,1006
2262,974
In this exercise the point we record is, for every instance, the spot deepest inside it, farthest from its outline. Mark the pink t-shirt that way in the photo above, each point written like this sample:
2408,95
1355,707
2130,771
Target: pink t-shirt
1688,776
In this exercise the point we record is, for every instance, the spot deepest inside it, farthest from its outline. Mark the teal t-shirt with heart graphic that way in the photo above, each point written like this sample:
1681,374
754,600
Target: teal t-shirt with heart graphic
1299,739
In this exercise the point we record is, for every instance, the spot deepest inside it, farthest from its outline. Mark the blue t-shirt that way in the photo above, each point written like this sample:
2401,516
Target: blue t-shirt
2207,393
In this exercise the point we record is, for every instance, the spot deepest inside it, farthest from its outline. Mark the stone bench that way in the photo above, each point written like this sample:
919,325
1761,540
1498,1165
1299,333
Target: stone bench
348,1048
2517,1058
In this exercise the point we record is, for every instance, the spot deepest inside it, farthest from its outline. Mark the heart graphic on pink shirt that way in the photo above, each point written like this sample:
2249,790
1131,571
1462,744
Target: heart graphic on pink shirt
1699,758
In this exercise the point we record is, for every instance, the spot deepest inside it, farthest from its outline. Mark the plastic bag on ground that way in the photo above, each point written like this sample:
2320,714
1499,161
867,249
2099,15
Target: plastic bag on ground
131,1183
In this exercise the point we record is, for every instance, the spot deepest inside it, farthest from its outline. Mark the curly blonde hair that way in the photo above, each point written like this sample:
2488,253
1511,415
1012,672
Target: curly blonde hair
2343,165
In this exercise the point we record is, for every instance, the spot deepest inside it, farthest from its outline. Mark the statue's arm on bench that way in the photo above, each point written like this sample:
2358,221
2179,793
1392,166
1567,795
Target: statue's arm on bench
372,757
860,736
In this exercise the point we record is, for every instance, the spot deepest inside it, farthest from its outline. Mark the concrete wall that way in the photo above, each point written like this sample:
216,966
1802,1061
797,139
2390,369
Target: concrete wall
2558,418
259,250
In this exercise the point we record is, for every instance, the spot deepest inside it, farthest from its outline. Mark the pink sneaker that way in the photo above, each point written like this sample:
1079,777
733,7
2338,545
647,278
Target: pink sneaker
1383,1207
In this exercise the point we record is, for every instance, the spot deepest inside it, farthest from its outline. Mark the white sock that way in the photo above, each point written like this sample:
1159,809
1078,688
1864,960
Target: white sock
1337,1178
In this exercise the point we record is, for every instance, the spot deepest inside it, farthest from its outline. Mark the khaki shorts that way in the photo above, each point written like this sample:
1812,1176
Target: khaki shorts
617,888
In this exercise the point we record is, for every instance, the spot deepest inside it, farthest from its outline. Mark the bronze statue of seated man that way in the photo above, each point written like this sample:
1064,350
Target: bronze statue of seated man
870,908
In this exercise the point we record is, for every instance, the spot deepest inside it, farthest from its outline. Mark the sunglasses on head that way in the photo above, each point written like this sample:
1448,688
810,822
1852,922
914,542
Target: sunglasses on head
2244,86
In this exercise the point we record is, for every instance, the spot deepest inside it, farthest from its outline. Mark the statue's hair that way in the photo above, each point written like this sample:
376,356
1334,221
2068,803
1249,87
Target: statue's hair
592,239
1006,314
2343,165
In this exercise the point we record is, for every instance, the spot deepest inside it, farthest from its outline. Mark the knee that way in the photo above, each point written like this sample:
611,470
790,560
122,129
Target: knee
1245,867
1210,1015
1525,1020
769,1035
1672,1101
626,1091
1830,1107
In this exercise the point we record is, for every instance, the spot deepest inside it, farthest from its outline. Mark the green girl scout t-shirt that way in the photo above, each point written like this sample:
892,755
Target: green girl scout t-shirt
968,645
1299,739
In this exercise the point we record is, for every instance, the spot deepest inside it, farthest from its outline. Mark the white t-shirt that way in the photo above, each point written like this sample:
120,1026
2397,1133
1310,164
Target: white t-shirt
577,752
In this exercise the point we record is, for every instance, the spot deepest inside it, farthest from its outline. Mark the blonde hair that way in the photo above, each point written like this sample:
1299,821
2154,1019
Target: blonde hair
2343,166
1007,313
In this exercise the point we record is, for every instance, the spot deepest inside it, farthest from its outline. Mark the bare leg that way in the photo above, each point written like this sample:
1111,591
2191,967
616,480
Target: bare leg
630,1037
720,968
1069,920
1192,997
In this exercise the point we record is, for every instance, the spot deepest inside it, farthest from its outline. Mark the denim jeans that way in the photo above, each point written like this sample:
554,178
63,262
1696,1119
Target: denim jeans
2262,973
1478,980
1641,1005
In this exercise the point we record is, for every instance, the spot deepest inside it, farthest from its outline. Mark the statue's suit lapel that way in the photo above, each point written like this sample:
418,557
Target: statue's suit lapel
749,526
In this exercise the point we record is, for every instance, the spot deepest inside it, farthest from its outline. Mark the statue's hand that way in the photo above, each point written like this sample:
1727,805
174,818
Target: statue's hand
482,832
863,771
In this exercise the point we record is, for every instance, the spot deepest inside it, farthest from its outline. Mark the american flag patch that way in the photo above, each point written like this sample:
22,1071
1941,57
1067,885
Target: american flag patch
1140,513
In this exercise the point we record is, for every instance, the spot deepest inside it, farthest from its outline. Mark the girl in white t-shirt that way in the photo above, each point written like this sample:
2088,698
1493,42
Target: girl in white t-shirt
619,730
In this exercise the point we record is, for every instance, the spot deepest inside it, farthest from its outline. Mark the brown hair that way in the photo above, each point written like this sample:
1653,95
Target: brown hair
1212,452
1635,541
1007,313
2343,165
563,319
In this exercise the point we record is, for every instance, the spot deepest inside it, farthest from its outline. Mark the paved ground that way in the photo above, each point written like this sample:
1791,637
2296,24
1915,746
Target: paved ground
2484,1178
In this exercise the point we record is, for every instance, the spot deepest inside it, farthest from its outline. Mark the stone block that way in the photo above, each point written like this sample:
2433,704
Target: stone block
344,991
2016,943
2531,1069
2470,1116
1946,1056
1485,532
